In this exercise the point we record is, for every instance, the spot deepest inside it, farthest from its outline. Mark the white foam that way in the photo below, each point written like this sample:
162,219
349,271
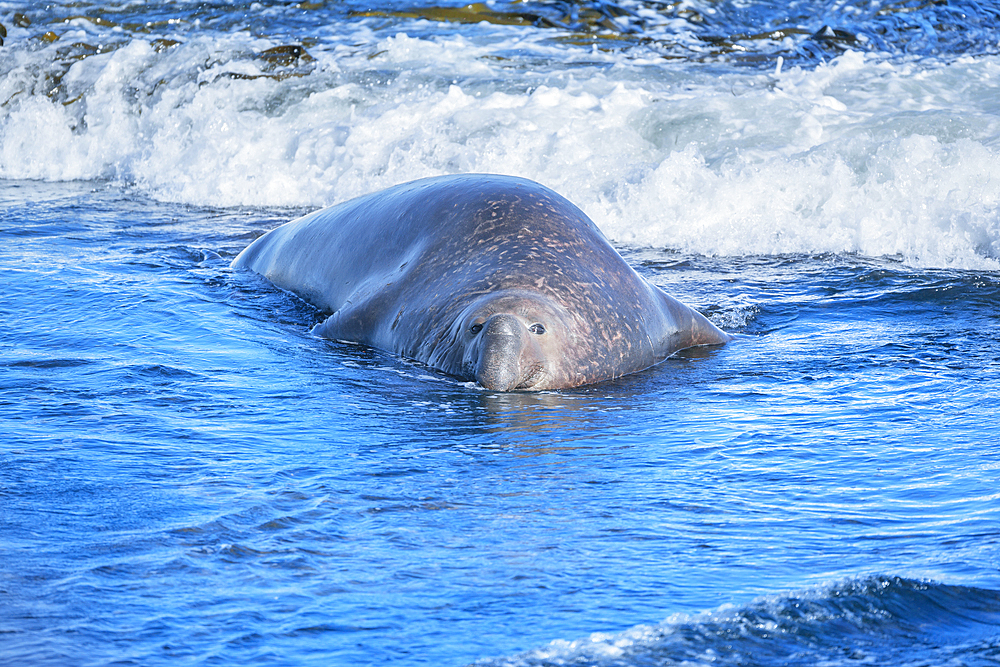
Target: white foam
859,155
729,632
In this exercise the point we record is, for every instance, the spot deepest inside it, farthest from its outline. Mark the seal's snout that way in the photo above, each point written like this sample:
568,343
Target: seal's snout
503,324
502,341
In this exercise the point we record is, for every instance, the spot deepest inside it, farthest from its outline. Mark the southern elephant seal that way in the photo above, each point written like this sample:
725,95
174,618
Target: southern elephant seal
489,278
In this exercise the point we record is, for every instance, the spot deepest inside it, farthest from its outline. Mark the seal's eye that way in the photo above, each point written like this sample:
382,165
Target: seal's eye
476,328
537,329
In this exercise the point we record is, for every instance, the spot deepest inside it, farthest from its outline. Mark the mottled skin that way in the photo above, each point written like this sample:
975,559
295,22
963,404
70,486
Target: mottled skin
491,278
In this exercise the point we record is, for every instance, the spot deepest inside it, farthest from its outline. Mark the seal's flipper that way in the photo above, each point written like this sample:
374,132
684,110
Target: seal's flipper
352,322
691,327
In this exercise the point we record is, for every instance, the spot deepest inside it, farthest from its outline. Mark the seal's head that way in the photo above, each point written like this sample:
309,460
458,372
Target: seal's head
515,339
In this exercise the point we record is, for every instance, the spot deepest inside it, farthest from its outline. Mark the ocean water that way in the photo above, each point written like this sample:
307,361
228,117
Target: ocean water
187,476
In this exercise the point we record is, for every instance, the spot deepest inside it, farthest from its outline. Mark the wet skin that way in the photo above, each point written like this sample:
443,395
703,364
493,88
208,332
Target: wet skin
489,278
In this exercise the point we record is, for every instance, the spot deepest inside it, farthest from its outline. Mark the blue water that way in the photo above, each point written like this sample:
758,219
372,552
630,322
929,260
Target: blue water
188,476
